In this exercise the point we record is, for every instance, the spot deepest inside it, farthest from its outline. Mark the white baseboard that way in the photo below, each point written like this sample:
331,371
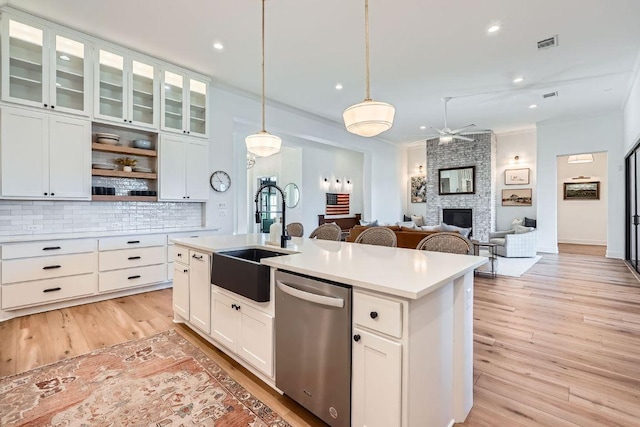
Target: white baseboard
615,254
548,249
583,242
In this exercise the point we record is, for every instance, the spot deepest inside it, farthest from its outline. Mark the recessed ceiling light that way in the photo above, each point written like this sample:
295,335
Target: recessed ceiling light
423,127
65,58
518,80
218,46
493,28
532,106
339,86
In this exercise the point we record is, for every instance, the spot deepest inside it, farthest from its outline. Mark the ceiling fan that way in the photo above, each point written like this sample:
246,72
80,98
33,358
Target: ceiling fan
447,135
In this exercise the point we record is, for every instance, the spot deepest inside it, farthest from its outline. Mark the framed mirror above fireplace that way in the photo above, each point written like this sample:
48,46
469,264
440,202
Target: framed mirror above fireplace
457,180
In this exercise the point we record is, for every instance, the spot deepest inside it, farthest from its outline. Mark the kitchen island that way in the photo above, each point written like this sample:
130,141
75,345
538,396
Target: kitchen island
412,363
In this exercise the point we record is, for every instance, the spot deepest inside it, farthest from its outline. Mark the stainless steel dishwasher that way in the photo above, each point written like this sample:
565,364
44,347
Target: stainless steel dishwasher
313,345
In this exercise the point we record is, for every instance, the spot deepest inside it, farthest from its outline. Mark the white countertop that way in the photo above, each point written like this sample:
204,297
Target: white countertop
95,234
407,273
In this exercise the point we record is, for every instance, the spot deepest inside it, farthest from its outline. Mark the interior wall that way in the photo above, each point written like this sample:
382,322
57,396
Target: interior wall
632,115
589,134
583,222
232,115
416,157
523,145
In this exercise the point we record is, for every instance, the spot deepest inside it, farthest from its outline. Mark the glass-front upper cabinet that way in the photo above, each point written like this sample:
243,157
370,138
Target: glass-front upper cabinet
44,68
184,104
126,89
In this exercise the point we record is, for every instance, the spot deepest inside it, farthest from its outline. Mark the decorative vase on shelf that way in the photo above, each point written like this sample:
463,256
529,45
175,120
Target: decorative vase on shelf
127,169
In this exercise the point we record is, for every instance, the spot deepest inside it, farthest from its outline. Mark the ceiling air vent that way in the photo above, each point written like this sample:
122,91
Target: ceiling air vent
550,95
547,43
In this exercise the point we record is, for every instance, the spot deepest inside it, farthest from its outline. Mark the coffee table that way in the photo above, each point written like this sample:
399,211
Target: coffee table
493,257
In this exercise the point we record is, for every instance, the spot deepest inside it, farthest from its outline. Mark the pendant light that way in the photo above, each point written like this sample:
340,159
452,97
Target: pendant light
580,158
368,118
263,144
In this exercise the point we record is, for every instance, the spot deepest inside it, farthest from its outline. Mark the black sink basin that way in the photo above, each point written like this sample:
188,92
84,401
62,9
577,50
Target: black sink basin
240,271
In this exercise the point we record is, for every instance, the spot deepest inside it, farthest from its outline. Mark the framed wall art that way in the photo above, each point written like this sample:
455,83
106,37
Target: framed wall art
419,189
582,190
516,176
517,197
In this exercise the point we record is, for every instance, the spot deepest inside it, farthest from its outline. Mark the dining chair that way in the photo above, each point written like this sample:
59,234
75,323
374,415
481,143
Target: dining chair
327,231
449,242
379,236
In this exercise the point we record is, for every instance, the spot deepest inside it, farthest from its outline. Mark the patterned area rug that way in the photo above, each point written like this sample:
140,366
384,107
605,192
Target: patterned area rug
160,381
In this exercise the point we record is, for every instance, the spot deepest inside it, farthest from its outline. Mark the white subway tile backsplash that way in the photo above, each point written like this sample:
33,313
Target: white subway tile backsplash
67,216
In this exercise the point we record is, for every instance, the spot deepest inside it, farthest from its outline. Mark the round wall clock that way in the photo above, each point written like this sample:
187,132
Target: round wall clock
220,181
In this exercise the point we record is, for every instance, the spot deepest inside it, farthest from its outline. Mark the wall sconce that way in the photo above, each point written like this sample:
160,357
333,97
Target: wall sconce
516,158
338,185
348,186
325,184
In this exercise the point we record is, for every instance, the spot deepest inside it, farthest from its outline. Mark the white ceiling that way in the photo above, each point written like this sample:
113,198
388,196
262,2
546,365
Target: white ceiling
421,51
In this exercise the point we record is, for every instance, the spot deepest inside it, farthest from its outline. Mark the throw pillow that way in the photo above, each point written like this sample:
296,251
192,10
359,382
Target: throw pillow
528,222
452,228
430,228
516,222
418,220
373,223
407,224
521,229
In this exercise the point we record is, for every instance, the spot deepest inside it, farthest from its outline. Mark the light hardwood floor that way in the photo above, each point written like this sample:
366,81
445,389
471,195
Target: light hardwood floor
559,346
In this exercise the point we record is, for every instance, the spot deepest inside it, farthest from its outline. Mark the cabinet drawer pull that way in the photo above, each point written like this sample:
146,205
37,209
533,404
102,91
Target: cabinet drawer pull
137,276
133,257
52,290
51,267
51,248
179,255
356,337
197,257
373,314
185,271
131,242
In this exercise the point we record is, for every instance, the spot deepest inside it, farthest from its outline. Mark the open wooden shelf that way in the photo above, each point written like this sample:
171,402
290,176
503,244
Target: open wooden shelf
123,150
97,198
123,174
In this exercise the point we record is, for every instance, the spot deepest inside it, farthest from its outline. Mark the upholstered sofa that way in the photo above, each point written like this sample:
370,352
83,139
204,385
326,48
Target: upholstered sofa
407,238
515,244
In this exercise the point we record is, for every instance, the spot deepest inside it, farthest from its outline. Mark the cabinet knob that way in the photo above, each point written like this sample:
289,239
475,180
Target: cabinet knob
46,194
46,105
53,106
233,306
356,337
184,131
188,197
237,307
53,194
188,132
185,271
130,121
373,314
125,120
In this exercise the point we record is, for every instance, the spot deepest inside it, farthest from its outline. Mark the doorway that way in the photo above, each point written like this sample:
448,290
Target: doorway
583,203
632,183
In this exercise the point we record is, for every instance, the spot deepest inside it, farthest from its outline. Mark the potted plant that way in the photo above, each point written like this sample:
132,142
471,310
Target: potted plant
127,163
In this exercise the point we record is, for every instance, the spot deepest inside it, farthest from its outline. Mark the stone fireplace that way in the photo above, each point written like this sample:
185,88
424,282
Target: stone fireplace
480,207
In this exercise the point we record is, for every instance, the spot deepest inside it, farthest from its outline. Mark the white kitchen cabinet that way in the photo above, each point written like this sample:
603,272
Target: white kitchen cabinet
181,290
45,67
184,169
44,156
377,379
184,103
243,329
200,290
126,88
